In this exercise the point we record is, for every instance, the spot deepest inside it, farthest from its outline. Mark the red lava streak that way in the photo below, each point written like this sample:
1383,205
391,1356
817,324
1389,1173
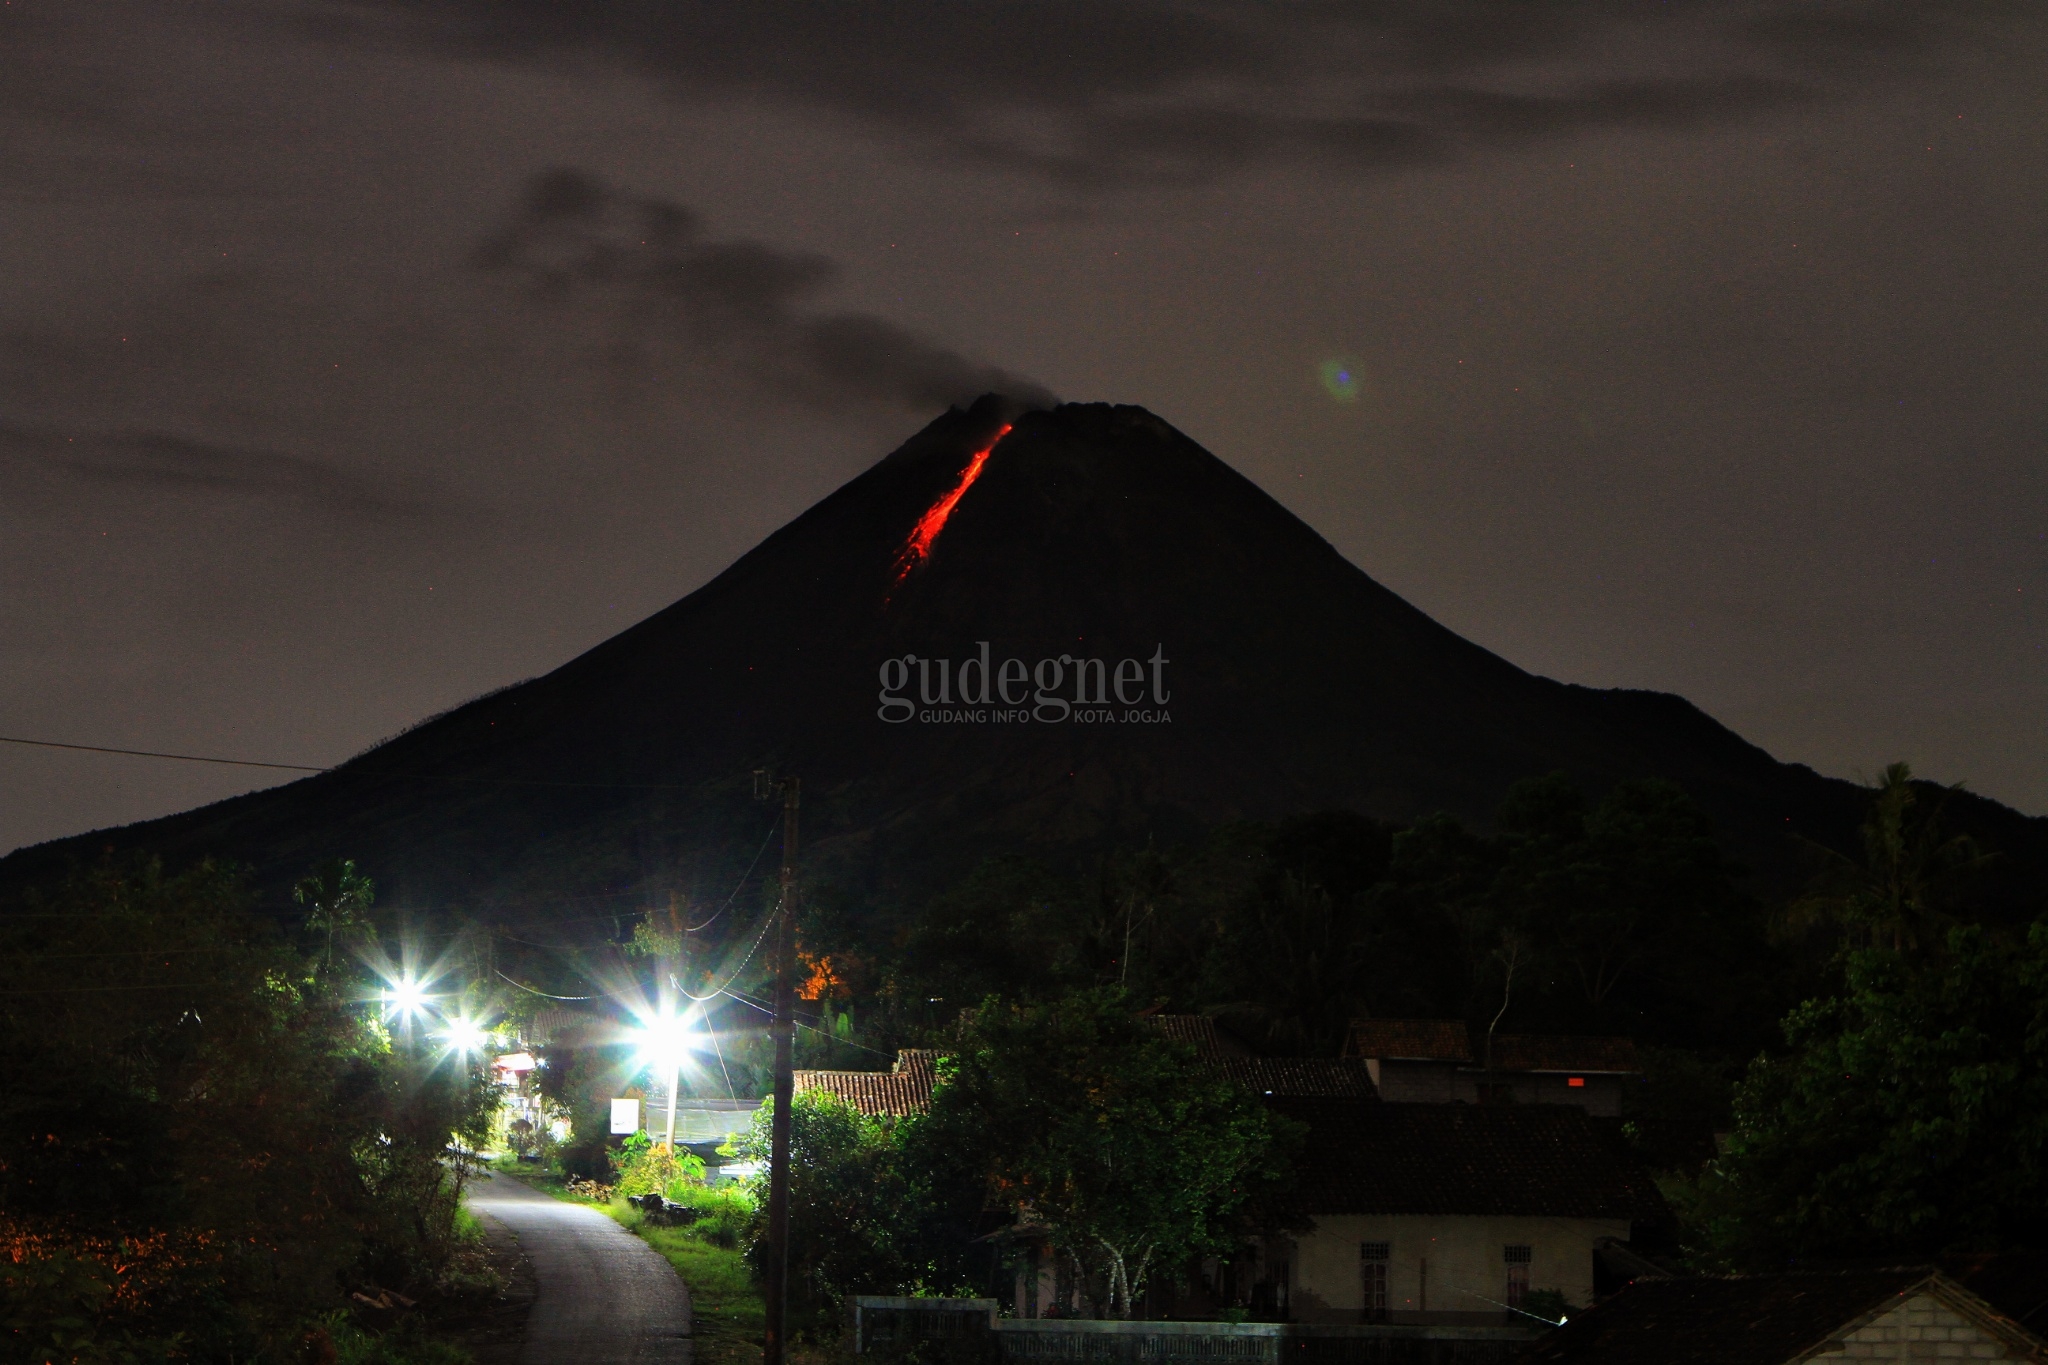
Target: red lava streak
929,525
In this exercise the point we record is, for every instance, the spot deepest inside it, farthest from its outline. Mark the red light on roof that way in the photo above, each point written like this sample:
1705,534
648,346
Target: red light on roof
1575,1081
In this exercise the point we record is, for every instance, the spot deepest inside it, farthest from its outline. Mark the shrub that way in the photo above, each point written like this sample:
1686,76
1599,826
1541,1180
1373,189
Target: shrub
644,1167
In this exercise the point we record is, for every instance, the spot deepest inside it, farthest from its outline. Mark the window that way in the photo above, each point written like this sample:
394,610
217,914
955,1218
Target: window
1517,1258
1372,1262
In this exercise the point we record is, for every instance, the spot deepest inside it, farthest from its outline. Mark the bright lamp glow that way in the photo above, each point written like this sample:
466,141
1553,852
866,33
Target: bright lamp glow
466,1036
405,999
666,1039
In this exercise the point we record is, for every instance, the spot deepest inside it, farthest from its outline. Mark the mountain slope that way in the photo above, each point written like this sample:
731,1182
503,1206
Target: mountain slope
1267,675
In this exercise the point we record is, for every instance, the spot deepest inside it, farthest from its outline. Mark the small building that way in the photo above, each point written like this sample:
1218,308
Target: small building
1436,1061
1412,1061
905,1088
1905,1314
1454,1214
1334,1077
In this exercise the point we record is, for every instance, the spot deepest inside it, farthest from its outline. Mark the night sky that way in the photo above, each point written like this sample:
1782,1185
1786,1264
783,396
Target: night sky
357,359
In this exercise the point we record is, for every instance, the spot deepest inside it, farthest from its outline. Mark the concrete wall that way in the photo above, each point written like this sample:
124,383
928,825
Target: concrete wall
1415,1082
1600,1095
1448,1083
1921,1328
1463,1256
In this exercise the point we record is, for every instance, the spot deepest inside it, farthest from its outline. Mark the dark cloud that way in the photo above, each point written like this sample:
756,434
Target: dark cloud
646,263
164,463
1104,93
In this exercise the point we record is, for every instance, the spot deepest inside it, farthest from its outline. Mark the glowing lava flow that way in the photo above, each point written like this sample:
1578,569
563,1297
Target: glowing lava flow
929,525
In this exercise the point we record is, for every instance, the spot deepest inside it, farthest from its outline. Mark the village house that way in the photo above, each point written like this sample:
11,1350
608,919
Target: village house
1421,1214
905,1088
1990,1308
1437,1061
1335,1077
1453,1214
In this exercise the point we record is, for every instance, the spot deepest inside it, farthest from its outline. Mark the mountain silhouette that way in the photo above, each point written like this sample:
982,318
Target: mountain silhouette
1137,642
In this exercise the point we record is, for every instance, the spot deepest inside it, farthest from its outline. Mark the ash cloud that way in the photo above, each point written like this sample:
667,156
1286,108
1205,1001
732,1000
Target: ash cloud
163,462
1110,93
648,264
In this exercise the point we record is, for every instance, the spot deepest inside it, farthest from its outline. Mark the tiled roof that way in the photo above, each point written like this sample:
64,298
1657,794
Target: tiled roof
1536,1052
1763,1320
905,1088
556,1025
1339,1078
1407,1040
1504,1160
1198,1031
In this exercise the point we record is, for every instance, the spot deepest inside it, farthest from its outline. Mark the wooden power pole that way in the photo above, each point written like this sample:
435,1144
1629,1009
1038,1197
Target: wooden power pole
783,1029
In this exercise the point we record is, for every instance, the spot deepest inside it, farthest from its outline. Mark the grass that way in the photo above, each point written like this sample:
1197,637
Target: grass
725,1308
728,1318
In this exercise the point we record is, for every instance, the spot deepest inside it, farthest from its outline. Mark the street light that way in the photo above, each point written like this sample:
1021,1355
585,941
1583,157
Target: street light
405,999
665,1040
465,1036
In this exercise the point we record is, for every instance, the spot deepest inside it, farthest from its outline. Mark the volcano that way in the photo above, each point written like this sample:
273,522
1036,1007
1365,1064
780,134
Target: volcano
1050,631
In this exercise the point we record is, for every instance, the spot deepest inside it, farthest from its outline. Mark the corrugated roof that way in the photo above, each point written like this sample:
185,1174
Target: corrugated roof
1409,1040
1539,1052
1760,1320
905,1088
1506,1160
1335,1077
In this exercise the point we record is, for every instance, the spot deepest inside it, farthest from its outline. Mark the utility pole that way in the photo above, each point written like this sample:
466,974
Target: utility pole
784,1031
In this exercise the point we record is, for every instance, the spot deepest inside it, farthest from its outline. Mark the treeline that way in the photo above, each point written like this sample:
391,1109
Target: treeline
207,1138
1861,1068
1620,915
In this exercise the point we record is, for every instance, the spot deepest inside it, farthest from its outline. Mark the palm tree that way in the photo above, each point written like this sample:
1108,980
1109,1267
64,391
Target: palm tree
340,899
1908,871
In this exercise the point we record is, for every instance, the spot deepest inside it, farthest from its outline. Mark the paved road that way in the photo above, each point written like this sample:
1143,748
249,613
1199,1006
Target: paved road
606,1297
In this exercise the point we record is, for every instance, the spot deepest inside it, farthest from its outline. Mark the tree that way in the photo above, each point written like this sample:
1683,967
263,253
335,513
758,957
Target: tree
1910,1116
338,900
1902,890
1087,1123
205,1125
861,1211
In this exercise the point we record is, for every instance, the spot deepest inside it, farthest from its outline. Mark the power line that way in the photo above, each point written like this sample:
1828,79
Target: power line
364,772
773,825
151,753
544,994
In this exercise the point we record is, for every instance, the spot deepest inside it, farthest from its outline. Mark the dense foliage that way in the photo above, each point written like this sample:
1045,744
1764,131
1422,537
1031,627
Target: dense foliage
1128,1151
1908,1117
1615,916
204,1138
1070,1119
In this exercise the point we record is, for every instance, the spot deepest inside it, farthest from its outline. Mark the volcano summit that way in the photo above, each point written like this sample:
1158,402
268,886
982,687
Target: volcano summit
1049,631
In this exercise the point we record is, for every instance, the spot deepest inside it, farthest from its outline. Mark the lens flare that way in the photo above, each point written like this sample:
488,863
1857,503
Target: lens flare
465,1036
666,1039
406,998
1340,379
916,549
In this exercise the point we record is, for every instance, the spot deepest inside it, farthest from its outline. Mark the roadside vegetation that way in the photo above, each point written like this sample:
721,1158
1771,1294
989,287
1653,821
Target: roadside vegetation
705,1243
210,1149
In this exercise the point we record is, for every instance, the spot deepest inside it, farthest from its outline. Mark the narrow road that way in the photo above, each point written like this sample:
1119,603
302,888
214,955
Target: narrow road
606,1297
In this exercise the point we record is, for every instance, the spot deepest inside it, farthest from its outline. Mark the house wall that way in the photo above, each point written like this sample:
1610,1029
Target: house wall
1415,1082
1465,1267
1448,1083
1921,1328
1600,1095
